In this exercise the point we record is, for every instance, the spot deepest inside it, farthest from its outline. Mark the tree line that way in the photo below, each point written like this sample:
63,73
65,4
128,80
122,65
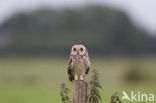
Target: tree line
103,30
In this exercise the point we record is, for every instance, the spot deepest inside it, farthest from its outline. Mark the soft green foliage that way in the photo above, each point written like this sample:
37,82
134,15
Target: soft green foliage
115,98
64,93
102,30
135,74
37,80
94,96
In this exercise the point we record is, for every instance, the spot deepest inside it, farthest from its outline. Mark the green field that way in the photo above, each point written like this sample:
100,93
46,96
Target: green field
37,80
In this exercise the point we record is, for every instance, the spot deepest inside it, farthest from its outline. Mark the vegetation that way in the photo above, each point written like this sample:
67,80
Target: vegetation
115,98
94,96
50,31
134,73
64,94
36,80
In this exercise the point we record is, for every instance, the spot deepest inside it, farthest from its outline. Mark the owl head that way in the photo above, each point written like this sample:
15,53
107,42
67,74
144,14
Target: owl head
79,49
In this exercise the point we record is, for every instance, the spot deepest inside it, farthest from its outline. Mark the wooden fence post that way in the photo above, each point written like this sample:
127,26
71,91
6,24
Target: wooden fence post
80,90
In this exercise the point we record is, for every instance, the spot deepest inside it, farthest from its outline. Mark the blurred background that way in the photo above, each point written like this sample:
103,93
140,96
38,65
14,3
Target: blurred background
36,37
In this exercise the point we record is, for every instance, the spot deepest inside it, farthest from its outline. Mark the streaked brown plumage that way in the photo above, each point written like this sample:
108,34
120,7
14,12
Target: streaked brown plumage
79,63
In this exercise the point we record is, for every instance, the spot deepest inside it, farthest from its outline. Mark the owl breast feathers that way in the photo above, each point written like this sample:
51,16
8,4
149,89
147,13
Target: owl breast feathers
79,63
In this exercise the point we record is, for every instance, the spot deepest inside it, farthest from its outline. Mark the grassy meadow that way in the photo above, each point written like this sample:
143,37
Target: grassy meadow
37,80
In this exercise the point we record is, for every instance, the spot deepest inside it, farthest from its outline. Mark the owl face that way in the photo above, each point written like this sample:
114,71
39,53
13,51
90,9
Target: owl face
78,49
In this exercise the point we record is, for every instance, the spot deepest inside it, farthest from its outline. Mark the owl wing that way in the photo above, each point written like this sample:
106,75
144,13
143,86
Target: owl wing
88,65
70,69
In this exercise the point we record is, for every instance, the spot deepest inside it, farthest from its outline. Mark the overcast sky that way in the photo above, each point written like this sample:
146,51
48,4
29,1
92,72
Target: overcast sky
142,12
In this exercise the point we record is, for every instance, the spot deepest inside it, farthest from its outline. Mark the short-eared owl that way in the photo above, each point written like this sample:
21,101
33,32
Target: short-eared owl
79,63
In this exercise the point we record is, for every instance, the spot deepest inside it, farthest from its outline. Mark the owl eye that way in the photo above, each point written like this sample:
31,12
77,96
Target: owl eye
74,49
81,49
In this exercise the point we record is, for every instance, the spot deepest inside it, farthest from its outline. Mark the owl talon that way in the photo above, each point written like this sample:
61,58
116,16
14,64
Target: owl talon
81,78
76,77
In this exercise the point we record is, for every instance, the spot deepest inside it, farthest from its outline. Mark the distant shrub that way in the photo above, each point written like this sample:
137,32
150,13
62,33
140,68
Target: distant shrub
134,73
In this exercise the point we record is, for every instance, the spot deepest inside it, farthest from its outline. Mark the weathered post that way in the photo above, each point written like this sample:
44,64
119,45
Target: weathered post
80,91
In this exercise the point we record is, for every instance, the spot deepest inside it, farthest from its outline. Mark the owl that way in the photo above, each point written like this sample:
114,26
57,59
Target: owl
79,63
